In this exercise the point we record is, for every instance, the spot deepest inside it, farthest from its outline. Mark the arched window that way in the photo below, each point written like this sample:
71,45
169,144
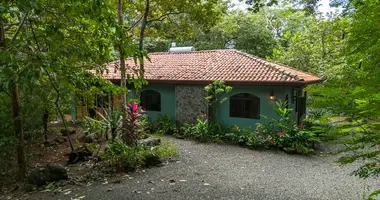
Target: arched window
150,100
245,105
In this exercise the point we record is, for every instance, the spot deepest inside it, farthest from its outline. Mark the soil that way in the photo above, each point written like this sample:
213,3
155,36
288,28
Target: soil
55,150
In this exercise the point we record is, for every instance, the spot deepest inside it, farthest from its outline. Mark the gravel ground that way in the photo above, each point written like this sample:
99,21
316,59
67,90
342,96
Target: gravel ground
215,171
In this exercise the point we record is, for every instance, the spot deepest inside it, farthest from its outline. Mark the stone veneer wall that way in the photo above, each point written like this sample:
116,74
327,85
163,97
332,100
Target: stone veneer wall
190,103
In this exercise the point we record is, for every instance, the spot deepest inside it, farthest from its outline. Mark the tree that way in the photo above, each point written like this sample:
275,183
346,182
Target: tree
50,41
351,94
171,19
216,91
246,32
316,47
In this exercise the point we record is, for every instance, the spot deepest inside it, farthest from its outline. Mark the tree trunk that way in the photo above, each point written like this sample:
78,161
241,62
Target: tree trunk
45,124
143,25
141,42
126,136
17,122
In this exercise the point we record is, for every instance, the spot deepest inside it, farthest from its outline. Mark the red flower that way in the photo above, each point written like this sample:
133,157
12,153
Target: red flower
281,133
272,142
301,126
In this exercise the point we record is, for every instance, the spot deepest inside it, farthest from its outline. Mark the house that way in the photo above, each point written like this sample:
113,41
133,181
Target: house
177,81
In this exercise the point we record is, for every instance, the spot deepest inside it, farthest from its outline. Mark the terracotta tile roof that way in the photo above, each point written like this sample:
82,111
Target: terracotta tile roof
231,66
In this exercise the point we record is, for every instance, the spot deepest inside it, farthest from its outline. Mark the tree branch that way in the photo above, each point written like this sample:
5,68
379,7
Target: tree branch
4,91
19,27
134,24
10,26
142,30
162,17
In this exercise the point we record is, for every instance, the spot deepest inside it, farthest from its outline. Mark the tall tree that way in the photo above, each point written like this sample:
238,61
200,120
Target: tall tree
246,32
50,40
316,47
352,93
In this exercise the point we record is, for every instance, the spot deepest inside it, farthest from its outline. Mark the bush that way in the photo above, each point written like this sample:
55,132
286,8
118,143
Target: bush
202,130
163,125
283,132
93,128
166,150
238,135
122,156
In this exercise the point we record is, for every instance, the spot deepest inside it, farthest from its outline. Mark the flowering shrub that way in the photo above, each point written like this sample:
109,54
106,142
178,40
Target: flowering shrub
283,133
136,122
238,135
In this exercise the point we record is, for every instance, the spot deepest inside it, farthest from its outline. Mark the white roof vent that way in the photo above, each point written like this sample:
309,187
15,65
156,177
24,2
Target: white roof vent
181,49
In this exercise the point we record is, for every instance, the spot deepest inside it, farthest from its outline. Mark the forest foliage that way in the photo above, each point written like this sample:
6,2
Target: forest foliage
48,46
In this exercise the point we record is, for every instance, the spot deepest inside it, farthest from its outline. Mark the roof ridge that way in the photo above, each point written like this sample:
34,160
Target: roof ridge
190,52
272,66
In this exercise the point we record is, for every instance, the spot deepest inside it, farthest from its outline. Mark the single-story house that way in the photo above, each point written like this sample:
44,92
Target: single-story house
177,81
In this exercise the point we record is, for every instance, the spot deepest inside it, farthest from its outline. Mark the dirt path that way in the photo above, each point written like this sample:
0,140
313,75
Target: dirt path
212,171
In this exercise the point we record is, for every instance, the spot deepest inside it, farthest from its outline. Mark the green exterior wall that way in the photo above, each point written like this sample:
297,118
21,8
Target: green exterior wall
168,103
266,104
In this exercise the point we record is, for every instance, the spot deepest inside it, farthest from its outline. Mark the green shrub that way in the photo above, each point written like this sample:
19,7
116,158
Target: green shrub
123,156
166,150
283,132
238,135
163,125
120,155
202,130
92,128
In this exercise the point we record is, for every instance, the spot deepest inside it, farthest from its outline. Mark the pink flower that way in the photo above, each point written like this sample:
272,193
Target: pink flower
134,107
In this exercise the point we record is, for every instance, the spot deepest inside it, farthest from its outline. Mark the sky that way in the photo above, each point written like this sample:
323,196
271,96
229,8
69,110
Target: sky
324,5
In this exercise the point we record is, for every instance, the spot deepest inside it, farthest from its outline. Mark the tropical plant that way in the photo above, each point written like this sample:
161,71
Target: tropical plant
202,130
93,128
126,157
123,156
238,135
216,92
163,125
283,132
135,123
109,125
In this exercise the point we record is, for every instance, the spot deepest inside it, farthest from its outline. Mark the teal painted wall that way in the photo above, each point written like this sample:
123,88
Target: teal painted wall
266,104
168,102
167,92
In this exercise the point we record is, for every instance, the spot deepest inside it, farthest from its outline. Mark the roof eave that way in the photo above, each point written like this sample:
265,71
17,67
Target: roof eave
202,82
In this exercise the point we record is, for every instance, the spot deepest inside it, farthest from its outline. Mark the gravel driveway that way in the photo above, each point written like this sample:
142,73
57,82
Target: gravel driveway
215,171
